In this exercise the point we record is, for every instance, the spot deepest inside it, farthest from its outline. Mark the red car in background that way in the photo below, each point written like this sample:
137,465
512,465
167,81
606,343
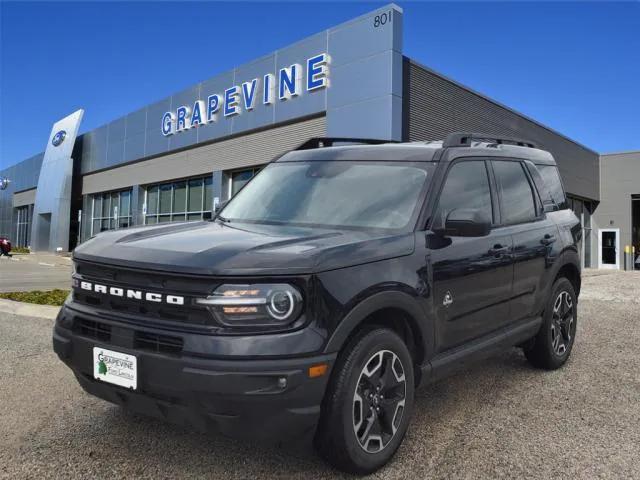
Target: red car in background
5,246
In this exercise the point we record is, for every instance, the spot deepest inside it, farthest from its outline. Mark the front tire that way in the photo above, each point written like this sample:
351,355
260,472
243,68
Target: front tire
553,343
368,403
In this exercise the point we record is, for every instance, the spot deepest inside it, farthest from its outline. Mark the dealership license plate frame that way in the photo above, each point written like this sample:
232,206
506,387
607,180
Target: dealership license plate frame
121,368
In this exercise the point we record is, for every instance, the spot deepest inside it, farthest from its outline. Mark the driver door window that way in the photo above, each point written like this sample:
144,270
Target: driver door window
466,187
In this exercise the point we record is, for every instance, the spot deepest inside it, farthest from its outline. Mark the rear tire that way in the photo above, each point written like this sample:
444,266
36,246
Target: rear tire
368,404
553,343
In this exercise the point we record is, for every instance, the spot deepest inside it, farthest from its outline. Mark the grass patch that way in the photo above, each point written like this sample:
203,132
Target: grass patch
52,297
20,250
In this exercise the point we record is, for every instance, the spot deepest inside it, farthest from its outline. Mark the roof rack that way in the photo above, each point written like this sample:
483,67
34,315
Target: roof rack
321,142
464,139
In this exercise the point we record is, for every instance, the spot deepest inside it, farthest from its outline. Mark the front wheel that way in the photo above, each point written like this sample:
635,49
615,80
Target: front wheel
368,403
552,346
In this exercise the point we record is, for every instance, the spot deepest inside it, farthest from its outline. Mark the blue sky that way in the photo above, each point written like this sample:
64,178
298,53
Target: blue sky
572,66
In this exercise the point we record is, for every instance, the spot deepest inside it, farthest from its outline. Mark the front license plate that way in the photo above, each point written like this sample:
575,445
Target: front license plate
115,367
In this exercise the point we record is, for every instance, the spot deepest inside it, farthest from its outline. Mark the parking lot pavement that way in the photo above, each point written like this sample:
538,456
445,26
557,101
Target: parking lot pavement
501,418
34,272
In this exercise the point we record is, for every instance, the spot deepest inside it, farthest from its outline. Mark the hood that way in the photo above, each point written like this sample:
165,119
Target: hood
215,248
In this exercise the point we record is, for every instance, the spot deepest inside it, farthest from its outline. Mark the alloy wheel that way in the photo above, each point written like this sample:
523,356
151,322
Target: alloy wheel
379,400
562,323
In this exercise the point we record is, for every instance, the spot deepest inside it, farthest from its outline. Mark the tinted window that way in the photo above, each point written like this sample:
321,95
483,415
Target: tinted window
466,187
551,178
517,198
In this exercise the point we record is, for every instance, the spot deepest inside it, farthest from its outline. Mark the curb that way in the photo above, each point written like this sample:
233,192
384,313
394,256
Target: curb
28,309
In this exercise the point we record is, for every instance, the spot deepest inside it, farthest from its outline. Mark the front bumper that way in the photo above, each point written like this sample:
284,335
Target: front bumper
239,398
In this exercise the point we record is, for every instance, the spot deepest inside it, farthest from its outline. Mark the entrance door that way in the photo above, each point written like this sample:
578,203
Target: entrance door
608,248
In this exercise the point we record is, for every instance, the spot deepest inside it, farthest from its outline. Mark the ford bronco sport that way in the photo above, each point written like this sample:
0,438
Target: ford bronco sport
341,277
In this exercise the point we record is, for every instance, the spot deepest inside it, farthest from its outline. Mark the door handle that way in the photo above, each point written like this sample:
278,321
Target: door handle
498,249
548,239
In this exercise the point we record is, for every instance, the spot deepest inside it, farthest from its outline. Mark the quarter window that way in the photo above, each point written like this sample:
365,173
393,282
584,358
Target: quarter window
551,177
517,201
466,187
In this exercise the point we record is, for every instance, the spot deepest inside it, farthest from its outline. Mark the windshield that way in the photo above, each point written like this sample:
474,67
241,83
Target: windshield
334,194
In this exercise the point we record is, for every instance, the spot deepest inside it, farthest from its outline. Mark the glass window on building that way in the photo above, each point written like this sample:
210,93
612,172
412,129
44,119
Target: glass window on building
240,178
110,210
23,225
183,200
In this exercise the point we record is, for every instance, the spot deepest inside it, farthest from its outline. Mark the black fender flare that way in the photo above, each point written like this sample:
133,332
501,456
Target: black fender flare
570,256
420,323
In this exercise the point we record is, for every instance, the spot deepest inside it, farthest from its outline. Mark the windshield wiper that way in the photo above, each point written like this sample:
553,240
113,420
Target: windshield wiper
223,219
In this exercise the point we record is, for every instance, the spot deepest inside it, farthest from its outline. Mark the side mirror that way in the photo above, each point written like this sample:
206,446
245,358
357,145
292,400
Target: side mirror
467,222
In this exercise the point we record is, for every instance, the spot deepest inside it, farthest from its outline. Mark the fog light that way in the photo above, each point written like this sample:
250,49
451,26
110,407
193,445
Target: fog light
282,382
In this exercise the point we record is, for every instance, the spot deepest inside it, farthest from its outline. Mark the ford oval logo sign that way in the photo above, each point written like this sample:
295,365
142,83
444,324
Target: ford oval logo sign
4,183
58,138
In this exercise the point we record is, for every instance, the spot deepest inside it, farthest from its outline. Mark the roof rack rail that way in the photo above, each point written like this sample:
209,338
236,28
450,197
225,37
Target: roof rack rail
464,139
321,142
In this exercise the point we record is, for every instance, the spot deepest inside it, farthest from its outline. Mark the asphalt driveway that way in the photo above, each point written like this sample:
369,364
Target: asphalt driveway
34,272
499,419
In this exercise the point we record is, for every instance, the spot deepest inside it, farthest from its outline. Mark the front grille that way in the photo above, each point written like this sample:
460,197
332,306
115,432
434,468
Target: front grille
163,281
92,329
158,343
188,287
188,314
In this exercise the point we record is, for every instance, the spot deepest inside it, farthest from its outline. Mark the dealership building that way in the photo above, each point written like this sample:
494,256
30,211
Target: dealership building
175,159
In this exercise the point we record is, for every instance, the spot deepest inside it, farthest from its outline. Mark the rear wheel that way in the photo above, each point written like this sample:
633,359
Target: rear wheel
368,403
552,346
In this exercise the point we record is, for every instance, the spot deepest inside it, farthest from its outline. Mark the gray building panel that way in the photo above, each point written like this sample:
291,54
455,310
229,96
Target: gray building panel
117,130
216,86
185,98
261,115
134,146
366,77
438,106
306,103
136,122
155,142
361,37
619,180
115,152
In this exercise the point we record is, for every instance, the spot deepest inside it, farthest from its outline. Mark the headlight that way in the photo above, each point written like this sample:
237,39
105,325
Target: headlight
254,305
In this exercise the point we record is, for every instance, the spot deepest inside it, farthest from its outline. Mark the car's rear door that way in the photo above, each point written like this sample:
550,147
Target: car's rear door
534,236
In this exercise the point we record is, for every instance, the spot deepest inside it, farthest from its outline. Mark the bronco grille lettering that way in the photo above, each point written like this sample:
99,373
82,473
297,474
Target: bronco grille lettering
130,293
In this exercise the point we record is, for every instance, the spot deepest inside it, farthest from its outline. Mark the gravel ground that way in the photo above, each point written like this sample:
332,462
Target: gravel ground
500,419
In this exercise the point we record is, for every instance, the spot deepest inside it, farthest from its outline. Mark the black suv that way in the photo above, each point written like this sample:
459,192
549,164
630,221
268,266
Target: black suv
338,280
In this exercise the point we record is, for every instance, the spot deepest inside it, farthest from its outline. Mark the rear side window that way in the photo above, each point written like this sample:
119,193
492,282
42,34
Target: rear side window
551,178
517,200
466,187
